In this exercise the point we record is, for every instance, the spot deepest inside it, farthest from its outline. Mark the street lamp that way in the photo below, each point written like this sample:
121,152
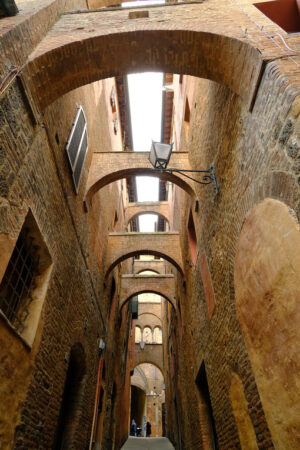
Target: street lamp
159,156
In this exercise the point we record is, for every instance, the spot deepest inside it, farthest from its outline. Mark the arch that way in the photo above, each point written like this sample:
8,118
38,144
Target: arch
151,314
95,54
267,287
143,213
116,175
121,258
157,335
147,270
154,363
69,417
150,292
162,285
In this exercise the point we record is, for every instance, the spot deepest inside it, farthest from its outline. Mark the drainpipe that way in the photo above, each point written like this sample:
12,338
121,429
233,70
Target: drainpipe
99,380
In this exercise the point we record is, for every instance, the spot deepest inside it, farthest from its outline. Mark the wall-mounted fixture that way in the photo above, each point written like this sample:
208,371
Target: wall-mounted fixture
159,157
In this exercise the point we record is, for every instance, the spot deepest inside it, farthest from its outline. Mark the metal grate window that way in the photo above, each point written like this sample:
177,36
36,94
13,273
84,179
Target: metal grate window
18,280
77,146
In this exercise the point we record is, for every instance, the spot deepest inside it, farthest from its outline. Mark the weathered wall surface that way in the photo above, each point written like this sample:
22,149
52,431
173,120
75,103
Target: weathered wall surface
255,156
35,174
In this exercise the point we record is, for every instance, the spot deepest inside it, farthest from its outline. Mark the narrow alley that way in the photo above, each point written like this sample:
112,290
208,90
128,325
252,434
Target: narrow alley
149,224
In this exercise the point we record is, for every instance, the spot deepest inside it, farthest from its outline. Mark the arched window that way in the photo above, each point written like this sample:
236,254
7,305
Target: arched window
138,335
147,335
157,335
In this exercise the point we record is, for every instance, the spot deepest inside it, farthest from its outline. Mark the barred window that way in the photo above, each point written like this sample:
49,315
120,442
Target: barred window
18,281
25,280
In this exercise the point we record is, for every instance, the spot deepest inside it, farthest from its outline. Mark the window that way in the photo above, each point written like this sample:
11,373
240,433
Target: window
147,335
138,335
24,283
187,115
192,239
77,146
157,335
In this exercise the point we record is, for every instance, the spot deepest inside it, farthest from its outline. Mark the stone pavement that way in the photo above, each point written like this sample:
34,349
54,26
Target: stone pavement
137,443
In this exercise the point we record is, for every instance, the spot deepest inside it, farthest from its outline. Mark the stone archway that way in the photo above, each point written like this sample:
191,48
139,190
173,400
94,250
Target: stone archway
132,285
92,45
267,287
107,167
122,246
160,209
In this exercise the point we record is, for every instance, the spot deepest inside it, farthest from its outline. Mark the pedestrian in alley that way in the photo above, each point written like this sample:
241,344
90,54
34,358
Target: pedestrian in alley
148,429
133,428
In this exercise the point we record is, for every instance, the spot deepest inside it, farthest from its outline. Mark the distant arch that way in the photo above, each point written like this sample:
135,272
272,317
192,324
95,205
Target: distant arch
149,361
144,213
135,171
151,314
148,270
145,251
150,292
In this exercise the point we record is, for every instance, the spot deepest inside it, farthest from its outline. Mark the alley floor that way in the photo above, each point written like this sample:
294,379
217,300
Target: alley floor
137,443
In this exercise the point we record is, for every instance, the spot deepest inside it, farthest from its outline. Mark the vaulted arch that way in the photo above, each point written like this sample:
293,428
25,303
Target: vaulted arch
107,167
132,285
103,44
122,246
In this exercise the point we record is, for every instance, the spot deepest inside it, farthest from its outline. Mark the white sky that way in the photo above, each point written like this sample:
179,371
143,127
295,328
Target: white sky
145,98
141,3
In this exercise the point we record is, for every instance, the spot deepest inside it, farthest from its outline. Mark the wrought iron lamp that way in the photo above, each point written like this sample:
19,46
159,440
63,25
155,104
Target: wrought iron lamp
159,157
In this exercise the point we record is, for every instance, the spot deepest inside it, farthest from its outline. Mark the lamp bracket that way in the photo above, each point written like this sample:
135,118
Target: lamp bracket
208,176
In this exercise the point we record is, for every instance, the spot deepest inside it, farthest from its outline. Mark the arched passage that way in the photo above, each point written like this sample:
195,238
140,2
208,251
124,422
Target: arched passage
161,209
172,301
132,285
267,286
96,48
143,213
107,167
122,246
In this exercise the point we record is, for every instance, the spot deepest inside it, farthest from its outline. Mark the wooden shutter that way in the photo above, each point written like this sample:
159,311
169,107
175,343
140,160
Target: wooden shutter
77,146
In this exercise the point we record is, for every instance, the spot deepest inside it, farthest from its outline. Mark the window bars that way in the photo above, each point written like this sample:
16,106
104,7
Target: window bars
18,281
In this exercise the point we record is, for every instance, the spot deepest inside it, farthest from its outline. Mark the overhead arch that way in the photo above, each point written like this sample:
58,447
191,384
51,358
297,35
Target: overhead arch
132,285
136,209
103,44
143,213
147,270
148,292
151,314
122,246
148,360
108,167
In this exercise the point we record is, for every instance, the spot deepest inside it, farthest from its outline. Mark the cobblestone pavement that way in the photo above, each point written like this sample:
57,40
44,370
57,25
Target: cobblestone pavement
137,443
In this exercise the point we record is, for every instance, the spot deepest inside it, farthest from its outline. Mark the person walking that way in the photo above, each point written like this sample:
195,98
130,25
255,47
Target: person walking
148,429
133,428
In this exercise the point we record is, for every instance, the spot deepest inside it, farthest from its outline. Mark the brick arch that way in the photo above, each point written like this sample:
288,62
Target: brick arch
94,49
143,252
133,171
151,314
147,270
142,213
148,291
122,246
148,360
